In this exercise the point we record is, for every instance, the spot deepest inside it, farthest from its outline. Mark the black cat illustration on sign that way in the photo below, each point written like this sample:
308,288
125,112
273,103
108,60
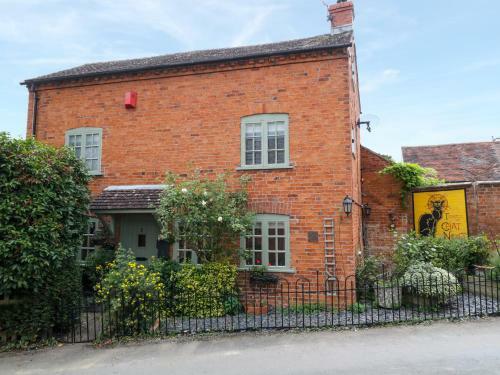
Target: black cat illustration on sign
428,222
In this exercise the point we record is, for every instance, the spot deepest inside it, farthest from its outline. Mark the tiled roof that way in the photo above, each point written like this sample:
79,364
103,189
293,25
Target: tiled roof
136,197
459,162
320,42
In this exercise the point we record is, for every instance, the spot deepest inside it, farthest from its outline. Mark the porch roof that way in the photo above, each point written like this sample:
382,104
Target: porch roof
127,198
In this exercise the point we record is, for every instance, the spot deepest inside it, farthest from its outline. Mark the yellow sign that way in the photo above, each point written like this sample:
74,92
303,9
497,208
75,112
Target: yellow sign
440,213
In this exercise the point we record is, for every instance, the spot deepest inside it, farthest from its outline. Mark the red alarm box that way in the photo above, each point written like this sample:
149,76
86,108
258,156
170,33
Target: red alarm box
130,99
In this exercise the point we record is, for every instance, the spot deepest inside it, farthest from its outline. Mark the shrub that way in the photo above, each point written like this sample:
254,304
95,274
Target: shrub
206,214
432,282
457,254
209,290
52,309
167,270
43,208
132,291
411,176
95,267
368,271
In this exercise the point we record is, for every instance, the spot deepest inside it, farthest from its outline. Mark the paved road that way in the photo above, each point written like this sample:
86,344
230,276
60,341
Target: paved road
439,348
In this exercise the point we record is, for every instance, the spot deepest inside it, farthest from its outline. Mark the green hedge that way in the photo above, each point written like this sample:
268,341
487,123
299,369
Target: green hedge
43,206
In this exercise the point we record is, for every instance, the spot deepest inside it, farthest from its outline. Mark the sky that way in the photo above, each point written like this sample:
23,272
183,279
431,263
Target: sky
429,70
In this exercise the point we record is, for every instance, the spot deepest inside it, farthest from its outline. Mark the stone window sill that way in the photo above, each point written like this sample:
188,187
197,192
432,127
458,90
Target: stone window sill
264,167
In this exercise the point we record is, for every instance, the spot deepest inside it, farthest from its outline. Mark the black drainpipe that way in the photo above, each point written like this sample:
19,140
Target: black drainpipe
34,114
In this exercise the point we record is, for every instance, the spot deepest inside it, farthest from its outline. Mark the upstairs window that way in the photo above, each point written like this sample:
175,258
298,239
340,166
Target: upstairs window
264,141
269,243
87,144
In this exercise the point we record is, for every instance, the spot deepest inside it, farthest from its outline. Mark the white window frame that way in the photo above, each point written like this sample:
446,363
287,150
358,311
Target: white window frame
181,247
266,220
83,133
87,237
265,120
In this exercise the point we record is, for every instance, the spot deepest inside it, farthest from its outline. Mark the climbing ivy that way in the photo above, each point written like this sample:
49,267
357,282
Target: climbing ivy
411,176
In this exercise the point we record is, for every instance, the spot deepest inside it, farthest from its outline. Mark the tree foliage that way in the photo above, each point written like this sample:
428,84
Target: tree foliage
206,214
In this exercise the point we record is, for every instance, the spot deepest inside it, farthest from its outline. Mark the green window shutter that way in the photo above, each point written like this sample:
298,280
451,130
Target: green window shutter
87,144
265,141
269,243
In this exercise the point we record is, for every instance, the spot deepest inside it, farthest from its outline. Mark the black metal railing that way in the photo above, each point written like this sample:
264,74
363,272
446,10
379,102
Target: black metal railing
303,303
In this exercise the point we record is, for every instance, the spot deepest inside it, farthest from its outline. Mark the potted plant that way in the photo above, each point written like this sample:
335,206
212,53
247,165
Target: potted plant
260,275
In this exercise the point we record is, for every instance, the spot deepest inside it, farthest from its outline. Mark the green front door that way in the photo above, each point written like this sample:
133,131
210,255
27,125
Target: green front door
139,232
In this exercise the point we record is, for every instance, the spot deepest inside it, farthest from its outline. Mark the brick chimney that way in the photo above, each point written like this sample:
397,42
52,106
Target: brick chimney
341,16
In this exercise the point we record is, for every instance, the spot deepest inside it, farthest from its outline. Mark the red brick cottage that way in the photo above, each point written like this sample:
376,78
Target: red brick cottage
286,114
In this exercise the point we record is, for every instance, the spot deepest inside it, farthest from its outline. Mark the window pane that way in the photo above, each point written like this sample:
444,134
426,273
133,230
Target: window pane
281,259
258,229
272,259
88,139
281,157
272,229
78,152
272,243
257,144
281,243
71,141
258,158
249,143
258,258
281,143
96,139
271,157
249,158
258,243
78,140
249,243
271,143
93,165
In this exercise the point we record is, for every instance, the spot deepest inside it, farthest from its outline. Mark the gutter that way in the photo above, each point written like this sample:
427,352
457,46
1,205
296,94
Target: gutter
179,65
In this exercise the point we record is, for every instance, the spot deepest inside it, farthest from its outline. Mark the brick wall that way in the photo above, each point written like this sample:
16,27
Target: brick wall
382,193
190,118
